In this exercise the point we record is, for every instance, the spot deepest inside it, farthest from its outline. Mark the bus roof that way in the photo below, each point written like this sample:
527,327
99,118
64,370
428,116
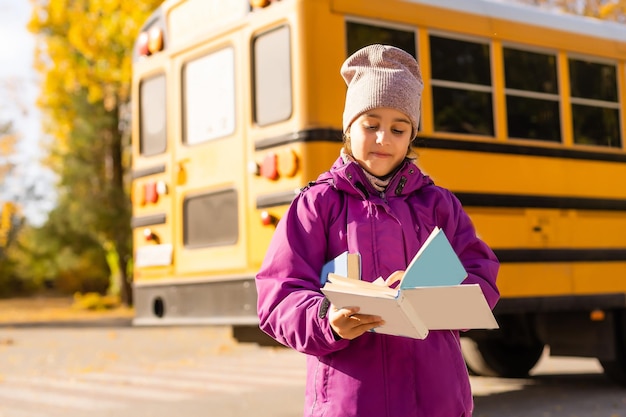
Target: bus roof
535,15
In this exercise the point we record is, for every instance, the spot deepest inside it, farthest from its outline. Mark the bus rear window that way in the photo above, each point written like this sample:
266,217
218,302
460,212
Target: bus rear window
209,97
153,116
272,77
211,219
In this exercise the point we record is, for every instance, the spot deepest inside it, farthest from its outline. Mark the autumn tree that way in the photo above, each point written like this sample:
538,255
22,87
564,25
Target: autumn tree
604,9
8,139
84,51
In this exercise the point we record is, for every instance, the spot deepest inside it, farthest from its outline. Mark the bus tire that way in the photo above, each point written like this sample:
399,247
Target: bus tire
496,358
615,369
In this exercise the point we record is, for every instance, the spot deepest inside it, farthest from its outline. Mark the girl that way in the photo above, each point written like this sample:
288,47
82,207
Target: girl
377,202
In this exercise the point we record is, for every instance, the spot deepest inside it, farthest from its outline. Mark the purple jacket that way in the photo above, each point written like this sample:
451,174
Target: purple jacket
374,374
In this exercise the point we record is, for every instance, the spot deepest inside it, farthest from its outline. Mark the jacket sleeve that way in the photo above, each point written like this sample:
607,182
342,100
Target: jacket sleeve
288,283
478,259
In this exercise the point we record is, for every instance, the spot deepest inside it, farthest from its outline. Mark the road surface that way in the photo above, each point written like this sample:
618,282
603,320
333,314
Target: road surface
112,369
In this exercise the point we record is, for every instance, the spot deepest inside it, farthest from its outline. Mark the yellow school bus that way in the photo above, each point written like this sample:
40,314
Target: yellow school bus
237,105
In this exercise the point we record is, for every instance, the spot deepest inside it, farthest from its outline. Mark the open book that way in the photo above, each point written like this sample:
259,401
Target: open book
430,295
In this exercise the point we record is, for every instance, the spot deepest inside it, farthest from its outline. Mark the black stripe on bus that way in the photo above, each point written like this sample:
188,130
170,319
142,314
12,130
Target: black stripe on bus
513,305
275,199
149,220
145,172
536,201
560,255
515,149
309,135
335,135
490,200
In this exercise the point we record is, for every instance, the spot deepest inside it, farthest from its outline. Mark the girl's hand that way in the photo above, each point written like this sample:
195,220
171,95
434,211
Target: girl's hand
347,323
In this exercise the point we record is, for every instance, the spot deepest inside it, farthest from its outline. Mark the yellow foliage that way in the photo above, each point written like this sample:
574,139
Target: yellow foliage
7,144
95,301
84,45
612,10
9,209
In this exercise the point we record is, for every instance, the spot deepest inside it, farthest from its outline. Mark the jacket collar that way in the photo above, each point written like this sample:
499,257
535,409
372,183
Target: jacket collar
349,178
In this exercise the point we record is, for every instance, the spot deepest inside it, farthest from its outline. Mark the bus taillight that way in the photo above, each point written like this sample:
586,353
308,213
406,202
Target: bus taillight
151,236
269,167
288,163
150,192
142,44
150,41
260,3
155,40
268,219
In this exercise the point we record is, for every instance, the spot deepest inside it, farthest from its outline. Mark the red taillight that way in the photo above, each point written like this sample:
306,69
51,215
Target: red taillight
150,236
142,44
150,192
267,219
269,167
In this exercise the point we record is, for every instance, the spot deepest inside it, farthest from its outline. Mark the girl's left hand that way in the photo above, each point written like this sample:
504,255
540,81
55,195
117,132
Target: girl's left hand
348,324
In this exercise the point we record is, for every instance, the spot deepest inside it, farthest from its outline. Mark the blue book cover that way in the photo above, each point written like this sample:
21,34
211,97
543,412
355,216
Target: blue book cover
435,264
346,264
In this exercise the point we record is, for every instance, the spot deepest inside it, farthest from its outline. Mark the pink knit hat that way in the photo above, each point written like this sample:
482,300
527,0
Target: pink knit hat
382,76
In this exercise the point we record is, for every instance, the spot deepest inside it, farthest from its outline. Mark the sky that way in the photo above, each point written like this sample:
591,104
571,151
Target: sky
18,92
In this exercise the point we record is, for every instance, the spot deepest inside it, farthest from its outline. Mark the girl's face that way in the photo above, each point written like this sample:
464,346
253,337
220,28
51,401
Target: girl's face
379,140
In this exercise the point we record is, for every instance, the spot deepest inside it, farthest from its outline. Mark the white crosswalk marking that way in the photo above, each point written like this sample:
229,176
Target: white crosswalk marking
28,394
117,386
77,385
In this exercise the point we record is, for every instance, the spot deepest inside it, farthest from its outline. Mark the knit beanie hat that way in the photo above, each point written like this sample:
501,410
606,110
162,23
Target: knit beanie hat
382,76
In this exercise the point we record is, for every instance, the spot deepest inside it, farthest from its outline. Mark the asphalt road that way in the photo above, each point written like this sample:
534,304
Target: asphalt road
111,369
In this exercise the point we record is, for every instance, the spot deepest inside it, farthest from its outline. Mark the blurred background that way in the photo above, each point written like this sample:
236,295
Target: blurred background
65,71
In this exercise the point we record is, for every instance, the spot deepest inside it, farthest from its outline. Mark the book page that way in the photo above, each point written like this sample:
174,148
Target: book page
435,264
396,321
456,307
344,284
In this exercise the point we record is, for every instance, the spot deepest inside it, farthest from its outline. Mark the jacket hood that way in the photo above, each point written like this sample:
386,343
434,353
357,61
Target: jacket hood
350,178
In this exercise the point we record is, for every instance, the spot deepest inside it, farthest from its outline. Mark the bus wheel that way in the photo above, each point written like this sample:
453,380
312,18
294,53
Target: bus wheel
495,357
615,369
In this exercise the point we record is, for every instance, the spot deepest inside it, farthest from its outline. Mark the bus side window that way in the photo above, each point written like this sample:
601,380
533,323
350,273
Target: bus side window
363,34
272,76
153,116
595,103
532,102
461,83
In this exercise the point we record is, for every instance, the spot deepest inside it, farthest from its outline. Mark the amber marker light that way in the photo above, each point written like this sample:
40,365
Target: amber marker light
155,40
288,163
597,315
259,3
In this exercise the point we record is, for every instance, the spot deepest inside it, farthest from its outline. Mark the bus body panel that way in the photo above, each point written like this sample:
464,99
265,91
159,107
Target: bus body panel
552,208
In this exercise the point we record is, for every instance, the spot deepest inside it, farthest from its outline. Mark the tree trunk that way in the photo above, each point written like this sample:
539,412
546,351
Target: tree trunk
123,233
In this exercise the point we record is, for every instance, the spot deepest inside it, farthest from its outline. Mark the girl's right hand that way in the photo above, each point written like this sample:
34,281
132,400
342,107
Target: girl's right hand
348,324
